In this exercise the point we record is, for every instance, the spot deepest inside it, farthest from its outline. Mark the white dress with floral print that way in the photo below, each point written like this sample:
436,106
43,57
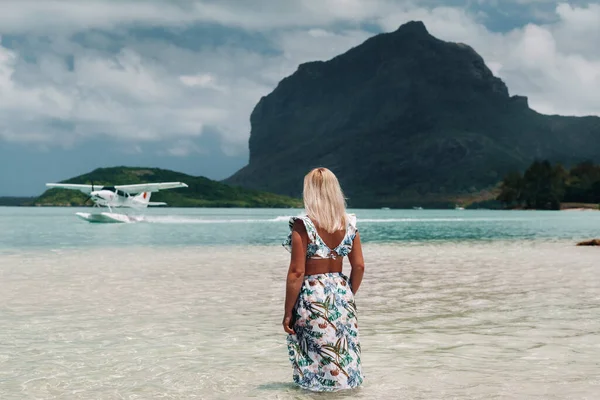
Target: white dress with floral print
325,349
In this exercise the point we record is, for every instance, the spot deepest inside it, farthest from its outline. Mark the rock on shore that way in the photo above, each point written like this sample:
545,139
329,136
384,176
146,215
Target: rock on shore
593,242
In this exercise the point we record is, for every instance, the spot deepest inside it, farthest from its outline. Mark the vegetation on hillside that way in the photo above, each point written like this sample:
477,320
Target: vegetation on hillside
545,186
16,201
201,191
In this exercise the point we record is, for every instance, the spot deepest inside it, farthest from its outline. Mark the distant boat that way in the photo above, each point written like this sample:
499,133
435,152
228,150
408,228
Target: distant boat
457,207
385,208
417,208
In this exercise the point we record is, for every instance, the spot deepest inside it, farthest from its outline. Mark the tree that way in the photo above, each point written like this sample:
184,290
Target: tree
594,193
511,189
581,183
544,186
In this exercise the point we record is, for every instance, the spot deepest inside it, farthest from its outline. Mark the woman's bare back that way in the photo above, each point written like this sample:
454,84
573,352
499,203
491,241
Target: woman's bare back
326,265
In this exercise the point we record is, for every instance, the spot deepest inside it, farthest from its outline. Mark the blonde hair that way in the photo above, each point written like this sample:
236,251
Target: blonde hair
324,200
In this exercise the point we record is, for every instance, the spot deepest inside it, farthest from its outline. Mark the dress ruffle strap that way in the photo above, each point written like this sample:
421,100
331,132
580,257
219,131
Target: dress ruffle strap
316,246
310,229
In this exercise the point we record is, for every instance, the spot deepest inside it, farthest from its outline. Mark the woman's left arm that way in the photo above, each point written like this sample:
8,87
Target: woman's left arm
295,275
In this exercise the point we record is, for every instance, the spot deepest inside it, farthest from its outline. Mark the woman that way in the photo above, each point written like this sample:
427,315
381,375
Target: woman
320,314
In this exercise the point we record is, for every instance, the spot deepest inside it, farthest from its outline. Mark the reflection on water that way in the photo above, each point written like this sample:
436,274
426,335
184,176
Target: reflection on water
438,321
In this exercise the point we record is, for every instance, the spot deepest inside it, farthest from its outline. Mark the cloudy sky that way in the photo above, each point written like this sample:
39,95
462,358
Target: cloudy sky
171,84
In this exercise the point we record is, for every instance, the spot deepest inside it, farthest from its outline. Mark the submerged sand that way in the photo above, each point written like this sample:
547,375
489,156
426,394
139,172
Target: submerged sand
478,320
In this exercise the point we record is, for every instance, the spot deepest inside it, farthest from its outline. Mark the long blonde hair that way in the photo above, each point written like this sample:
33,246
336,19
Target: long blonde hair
324,200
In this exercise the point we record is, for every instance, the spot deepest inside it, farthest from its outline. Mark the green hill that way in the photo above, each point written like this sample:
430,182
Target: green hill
201,191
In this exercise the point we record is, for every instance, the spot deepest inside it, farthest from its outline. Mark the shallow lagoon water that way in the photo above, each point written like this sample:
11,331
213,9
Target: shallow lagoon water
455,304
58,228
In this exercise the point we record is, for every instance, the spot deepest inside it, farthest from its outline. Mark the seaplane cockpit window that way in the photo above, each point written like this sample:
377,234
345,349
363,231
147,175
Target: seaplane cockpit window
122,193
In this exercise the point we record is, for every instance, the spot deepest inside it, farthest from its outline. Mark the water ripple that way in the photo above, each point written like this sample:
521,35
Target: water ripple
463,321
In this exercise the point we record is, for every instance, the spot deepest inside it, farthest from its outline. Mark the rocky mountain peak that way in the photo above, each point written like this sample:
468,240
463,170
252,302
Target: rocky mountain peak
403,116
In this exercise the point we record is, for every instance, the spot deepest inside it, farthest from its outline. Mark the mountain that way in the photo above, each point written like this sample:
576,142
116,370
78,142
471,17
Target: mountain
201,192
404,119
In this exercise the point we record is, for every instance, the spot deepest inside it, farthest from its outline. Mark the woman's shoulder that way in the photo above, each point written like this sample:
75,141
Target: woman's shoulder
298,219
303,223
297,222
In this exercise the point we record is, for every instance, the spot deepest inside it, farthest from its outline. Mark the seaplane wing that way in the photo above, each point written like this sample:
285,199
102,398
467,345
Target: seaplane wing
84,188
150,187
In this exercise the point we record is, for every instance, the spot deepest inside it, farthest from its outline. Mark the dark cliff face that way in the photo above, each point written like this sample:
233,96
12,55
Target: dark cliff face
403,117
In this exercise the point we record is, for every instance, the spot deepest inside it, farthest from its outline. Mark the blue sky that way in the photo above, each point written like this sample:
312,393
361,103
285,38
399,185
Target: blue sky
171,84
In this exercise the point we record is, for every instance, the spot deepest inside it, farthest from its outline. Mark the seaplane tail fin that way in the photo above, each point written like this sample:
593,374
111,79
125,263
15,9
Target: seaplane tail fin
143,199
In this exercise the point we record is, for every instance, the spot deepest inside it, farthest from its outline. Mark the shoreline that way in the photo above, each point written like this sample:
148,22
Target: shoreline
580,207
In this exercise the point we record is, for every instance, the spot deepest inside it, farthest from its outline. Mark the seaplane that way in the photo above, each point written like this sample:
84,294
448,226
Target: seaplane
135,196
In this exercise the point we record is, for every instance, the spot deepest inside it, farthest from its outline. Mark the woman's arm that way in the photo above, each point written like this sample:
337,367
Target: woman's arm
358,264
295,275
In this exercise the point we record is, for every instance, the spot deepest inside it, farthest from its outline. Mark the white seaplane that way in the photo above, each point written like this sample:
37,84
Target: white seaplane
119,196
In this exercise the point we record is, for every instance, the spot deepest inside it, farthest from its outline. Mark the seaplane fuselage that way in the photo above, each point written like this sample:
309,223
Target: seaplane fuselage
114,198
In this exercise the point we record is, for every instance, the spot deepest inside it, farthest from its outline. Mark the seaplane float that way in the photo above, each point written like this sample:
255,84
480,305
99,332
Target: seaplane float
135,196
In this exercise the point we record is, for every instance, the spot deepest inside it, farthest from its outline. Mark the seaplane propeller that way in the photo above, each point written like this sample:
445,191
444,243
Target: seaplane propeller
90,196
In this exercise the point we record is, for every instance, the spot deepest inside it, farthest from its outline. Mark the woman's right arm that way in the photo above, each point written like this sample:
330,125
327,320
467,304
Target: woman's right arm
358,264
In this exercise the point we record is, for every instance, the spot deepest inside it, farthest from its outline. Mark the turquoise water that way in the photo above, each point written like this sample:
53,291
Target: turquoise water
59,228
188,304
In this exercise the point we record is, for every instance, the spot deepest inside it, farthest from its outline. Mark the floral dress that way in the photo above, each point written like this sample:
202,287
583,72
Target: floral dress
325,349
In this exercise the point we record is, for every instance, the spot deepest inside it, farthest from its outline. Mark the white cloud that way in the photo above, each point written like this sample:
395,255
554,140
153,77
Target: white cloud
71,15
150,90
182,148
153,89
123,96
19,16
578,29
309,45
556,65
201,80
